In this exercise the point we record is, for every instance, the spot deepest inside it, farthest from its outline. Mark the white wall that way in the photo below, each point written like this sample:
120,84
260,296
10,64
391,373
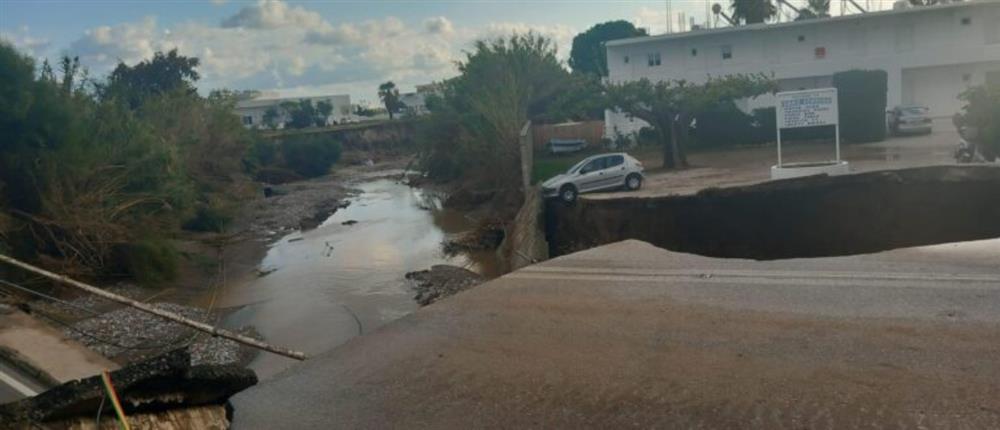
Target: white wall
925,51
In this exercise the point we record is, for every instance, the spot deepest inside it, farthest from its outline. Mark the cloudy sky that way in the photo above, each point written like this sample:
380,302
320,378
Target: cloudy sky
305,47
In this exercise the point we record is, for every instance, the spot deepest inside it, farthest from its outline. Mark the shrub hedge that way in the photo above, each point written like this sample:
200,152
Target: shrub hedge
310,155
861,98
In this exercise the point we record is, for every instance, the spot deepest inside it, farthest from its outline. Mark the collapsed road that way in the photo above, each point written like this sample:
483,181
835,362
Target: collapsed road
630,335
805,217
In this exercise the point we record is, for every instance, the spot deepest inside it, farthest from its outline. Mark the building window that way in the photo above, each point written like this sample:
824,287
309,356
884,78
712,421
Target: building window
694,52
626,59
802,38
247,120
820,52
653,59
727,52
966,21
966,77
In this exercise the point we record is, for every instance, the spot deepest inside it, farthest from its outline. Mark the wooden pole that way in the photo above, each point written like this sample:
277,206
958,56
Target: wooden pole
197,325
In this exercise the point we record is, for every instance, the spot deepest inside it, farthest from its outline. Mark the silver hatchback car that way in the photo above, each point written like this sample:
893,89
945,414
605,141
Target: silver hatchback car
595,173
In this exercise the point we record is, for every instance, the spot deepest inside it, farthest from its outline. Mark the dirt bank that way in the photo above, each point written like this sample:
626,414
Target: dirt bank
806,217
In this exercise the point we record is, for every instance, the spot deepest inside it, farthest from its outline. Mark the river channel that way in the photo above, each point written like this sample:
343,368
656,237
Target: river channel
327,285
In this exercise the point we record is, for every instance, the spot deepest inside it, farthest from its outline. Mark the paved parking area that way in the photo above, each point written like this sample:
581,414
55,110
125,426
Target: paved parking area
741,166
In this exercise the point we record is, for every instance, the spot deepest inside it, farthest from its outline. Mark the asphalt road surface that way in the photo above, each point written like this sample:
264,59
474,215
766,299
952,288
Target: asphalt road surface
15,385
629,335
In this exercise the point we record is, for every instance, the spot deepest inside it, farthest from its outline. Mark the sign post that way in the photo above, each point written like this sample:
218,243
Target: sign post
808,108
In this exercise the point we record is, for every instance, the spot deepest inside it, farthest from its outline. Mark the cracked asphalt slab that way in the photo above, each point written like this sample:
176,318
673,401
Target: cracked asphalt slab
629,335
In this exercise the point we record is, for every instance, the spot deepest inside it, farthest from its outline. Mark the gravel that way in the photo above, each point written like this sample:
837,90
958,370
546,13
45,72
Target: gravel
128,334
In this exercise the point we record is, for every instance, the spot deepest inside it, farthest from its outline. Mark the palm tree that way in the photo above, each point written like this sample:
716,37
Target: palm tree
390,97
752,11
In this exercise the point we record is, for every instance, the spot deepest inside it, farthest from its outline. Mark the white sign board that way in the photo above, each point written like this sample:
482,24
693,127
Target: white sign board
807,108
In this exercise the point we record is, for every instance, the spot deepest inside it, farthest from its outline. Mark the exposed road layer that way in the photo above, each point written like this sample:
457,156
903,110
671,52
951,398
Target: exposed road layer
628,335
14,385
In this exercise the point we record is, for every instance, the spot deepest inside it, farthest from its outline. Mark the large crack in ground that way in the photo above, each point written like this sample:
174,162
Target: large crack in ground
805,217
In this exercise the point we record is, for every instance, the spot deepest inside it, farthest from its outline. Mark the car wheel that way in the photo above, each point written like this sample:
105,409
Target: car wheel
633,182
568,194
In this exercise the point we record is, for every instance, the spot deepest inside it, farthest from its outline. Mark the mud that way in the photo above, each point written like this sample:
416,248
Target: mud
804,217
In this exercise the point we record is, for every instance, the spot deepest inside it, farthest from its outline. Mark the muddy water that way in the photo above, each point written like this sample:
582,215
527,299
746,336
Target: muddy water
337,281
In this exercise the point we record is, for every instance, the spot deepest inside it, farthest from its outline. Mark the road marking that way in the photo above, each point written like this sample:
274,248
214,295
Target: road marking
17,385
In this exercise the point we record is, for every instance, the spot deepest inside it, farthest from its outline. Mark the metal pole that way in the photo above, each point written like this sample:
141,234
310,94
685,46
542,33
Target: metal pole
779,145
837,138
197,325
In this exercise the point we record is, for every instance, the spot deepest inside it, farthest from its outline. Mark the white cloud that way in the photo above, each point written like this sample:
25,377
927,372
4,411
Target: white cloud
271,45
270,14
24,41
561,35
130,42
439,25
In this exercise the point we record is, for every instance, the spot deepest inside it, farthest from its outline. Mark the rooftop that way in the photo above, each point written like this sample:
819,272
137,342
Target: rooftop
766,26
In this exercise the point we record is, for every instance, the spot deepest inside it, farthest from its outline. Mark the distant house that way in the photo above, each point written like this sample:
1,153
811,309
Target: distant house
251,112
931,54
415,103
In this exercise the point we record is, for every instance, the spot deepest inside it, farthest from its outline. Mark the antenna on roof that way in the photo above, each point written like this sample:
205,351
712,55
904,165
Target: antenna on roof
670,26
717,10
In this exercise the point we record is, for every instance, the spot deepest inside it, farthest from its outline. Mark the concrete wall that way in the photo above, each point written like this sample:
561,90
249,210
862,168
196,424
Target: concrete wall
591,131
524,243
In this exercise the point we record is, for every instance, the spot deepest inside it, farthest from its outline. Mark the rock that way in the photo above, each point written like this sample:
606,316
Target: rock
442,281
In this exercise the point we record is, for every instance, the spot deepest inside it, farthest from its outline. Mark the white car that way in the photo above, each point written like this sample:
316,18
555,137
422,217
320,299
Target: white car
909,120
595,173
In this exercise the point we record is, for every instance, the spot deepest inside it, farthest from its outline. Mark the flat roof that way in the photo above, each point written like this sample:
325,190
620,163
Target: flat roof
805,22
273,100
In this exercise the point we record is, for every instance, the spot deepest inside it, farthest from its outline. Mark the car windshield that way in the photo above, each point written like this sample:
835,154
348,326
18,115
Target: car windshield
577,166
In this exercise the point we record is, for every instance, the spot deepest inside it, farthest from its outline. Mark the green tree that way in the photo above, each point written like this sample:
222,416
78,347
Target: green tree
389,95
473,129
323,111
161,74
300,114
271,118
815,9
589,55
669,106
752,11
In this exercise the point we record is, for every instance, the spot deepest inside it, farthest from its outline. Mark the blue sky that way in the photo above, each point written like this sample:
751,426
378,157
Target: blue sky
305,47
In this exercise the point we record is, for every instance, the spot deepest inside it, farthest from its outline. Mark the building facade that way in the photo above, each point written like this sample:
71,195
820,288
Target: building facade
931,54
251,112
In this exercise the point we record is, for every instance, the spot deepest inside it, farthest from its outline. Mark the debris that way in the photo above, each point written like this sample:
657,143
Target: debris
349,222
442,281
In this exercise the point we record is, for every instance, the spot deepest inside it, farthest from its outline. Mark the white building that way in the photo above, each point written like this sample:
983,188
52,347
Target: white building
931,54
251,112
414,103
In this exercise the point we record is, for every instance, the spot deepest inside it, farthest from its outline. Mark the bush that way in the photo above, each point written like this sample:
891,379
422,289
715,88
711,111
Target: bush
725,125
310,155
260,153
648,137
209,218
149,261
981,118
861,98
